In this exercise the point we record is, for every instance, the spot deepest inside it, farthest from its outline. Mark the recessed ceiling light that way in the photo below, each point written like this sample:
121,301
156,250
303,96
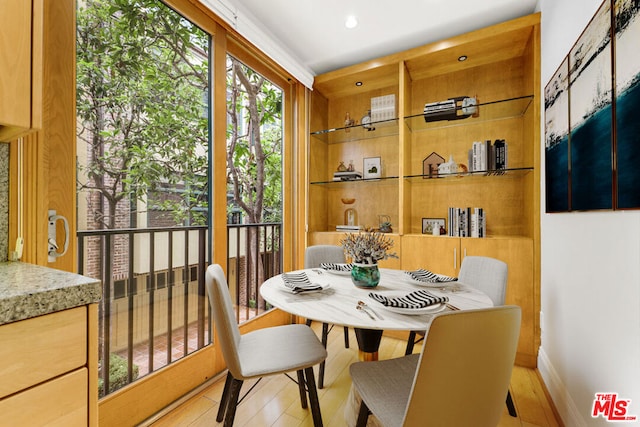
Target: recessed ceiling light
462,58
351,22
358,83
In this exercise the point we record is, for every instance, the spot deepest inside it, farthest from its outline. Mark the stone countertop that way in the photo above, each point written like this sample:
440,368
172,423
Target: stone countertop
28,290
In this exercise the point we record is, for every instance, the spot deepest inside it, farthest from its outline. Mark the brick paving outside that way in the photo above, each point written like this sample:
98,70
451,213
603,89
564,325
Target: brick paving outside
141,351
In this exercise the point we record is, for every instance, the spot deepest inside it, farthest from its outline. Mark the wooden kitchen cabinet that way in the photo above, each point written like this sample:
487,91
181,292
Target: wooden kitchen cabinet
20,67
47,369
444,255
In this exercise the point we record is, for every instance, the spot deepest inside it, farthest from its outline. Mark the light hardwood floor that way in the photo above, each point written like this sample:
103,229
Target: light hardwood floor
275,401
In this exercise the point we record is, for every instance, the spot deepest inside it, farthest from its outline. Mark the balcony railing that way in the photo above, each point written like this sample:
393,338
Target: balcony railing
154,309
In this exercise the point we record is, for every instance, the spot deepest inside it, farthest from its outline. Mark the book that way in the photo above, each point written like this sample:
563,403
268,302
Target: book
477,223
500,154
474,224
383,108
489,156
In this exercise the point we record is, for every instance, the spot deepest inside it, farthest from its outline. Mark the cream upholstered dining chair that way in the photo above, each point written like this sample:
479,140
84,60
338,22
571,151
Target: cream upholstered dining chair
313,257
263,352
459,378
489,275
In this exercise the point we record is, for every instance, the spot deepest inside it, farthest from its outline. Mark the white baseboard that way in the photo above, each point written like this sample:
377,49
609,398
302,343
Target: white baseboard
559,394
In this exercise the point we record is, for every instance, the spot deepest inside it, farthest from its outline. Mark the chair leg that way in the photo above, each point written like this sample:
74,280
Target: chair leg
363,415
410,342
224,399
510,406
313,397
309,322
234,394
325,333
302,389
346,337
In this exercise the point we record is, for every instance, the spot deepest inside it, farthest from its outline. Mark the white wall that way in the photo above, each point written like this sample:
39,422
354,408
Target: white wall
590,274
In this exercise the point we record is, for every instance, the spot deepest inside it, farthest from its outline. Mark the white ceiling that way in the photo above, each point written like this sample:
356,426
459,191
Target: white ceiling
312,32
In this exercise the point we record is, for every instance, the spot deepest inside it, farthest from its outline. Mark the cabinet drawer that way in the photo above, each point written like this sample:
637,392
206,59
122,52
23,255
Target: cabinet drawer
37,349
59,402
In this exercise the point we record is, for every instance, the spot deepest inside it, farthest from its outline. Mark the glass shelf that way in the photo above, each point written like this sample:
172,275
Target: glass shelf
358,132
510,172
351,181
487,111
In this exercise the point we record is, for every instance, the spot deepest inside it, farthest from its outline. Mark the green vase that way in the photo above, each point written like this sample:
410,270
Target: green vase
365,275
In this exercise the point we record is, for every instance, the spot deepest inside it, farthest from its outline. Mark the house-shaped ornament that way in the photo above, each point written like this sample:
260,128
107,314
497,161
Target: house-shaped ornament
448,168
430,165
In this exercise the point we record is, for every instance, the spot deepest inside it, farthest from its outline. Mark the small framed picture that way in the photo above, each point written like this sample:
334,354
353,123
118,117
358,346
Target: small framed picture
431,224
372,167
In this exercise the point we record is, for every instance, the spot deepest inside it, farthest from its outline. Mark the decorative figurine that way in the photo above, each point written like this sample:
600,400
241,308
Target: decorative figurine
430,165
449,167
385,224
366,121
348,122
351,217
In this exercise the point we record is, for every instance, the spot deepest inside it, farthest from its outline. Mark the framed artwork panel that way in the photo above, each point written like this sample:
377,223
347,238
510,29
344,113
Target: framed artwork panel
627,59
590,115
429,223
556,114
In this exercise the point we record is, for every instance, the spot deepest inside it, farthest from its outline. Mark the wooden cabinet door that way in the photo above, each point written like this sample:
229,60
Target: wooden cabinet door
15,64
518,254
20,67
437,254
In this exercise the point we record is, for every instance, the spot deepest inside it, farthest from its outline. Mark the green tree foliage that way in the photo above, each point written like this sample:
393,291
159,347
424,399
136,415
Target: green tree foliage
142,85
254,143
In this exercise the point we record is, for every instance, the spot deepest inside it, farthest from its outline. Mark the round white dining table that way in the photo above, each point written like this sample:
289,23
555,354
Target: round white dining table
338,301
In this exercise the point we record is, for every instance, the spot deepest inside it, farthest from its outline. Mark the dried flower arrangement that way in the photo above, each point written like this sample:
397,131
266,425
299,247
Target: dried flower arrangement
367,247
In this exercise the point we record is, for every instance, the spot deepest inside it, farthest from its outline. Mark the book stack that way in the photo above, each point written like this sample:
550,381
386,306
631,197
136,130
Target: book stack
444,110
457,108
347,176
487,157
383,108
467,222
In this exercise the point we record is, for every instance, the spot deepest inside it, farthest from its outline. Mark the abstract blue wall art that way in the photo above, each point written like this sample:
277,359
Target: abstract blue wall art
627,57
556,117
590,115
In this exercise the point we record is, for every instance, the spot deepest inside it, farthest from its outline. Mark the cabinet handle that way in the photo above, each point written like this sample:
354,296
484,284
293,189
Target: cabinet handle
455,259
465,253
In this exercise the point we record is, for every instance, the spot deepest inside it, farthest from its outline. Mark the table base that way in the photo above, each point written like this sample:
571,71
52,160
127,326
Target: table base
368,343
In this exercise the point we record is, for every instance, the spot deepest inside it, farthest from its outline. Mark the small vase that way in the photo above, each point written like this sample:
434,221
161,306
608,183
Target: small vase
365,275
